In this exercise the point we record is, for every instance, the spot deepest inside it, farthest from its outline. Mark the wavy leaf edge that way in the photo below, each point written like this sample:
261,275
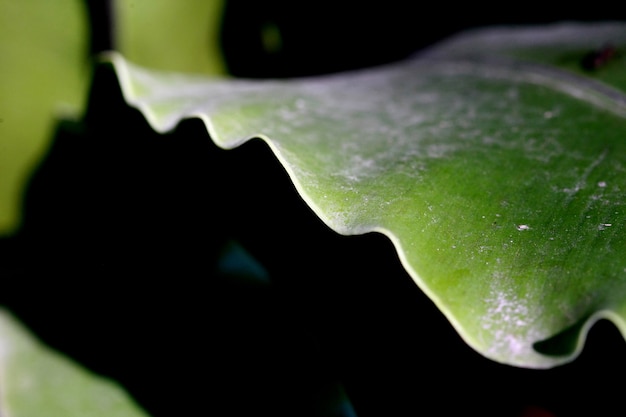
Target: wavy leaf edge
601,95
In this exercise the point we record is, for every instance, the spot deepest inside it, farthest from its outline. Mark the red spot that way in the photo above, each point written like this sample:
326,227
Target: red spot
597,59
534,411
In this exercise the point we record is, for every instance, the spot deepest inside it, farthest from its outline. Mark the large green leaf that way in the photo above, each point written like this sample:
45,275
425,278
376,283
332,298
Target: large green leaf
500,181
36,381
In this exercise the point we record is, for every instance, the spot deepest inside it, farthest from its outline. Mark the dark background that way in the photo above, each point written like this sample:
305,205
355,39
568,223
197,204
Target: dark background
116,263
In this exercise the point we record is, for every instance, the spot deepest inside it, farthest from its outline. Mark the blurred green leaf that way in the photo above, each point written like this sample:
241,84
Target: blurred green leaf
43,75
499,180
45,69
171,35
36,381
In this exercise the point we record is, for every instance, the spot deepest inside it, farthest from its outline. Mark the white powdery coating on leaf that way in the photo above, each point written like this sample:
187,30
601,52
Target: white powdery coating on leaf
510,324
509,39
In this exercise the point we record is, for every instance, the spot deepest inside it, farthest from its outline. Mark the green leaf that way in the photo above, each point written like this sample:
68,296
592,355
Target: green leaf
500,181
36,381
43,75
561,45
171,35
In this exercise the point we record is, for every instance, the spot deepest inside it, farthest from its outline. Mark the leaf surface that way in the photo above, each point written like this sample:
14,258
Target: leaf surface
498,176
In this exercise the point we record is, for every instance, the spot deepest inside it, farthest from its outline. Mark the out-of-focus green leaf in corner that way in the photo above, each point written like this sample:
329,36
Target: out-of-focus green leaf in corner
43,75
37,381
45,67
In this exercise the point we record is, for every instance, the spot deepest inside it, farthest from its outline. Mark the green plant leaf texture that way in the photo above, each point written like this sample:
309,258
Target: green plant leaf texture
501,182
37,381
